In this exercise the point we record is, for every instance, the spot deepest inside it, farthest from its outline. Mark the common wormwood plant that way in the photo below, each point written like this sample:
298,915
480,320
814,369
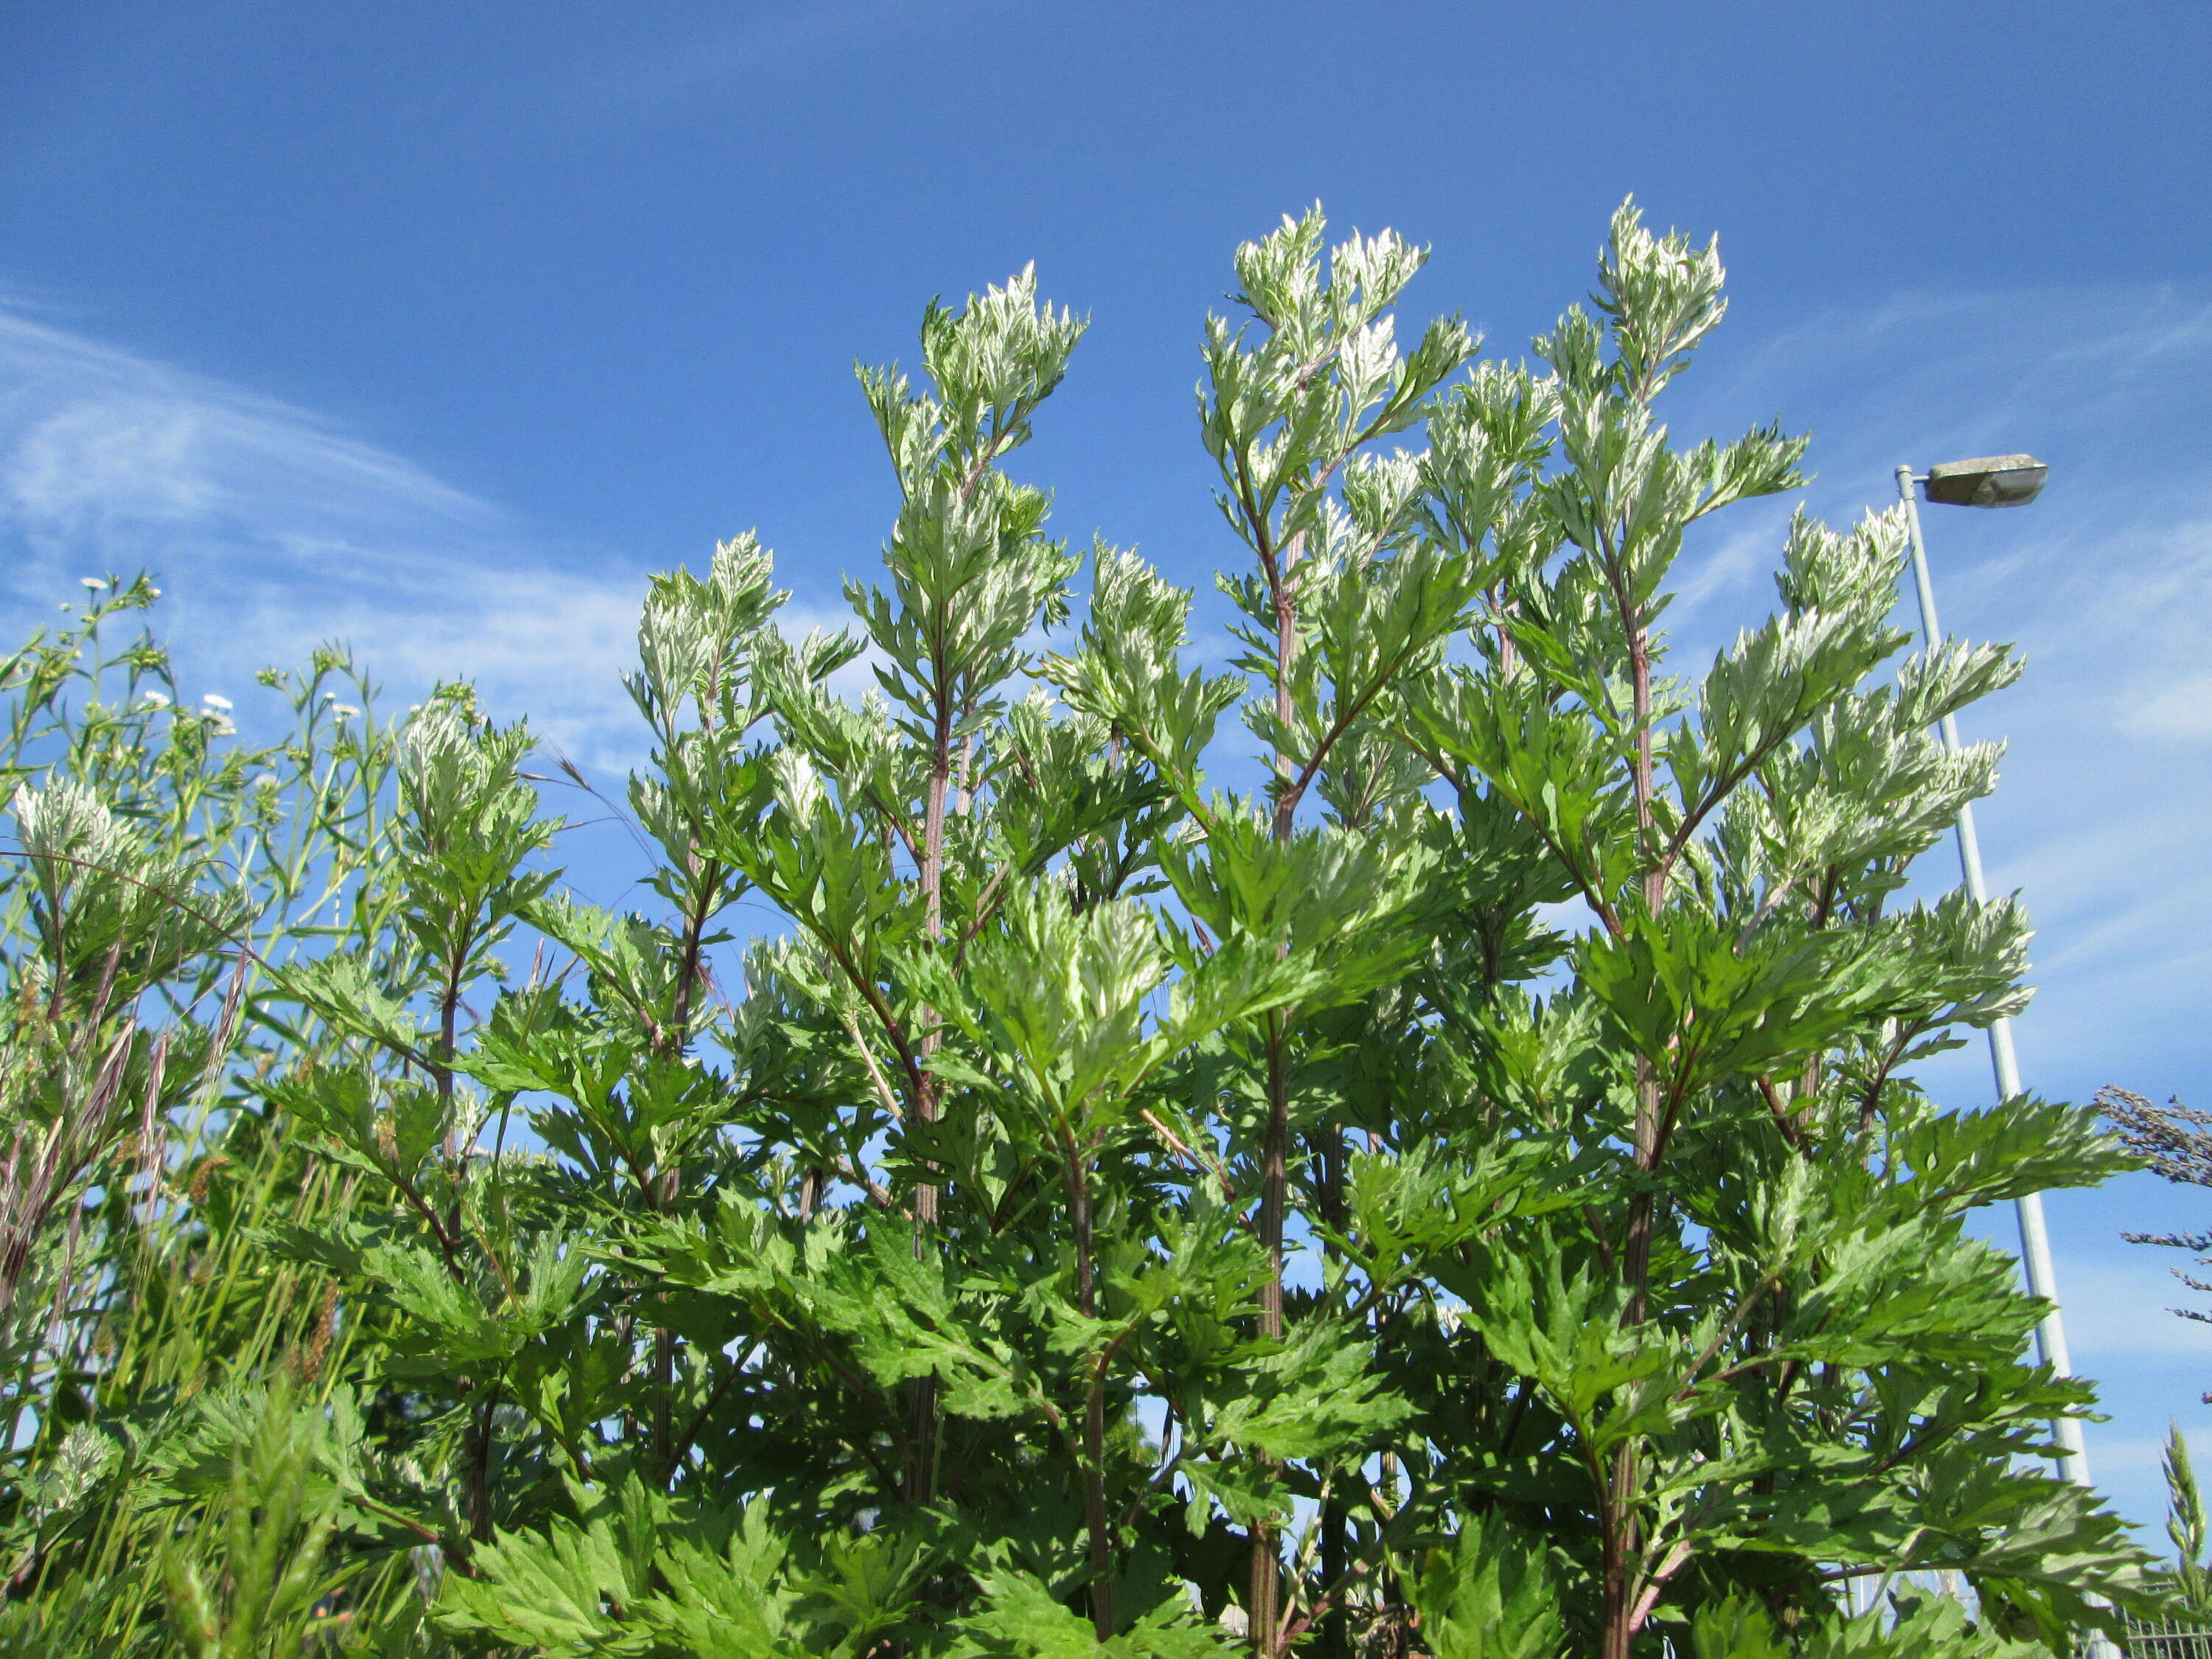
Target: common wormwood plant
1469,1200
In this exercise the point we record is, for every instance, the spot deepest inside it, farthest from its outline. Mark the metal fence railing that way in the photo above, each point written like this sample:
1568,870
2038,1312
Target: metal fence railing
2164,1639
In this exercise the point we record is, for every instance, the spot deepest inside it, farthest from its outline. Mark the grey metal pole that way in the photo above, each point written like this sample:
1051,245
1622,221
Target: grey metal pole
2035,1240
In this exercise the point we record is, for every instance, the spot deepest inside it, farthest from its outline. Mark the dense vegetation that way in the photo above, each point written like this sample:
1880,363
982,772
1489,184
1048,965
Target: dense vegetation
1466,1198
2174,1141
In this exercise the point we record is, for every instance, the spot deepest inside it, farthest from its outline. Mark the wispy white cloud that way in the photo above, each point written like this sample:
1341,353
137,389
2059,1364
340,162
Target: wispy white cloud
2181,711
2137,1459
2119,1314
273,530
688,63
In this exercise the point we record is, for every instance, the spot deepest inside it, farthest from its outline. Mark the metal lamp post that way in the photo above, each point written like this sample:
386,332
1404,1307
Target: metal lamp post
1997,481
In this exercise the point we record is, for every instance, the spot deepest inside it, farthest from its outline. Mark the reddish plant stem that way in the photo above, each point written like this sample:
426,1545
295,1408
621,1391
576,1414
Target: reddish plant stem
1618,1509
1096,1525
921,1439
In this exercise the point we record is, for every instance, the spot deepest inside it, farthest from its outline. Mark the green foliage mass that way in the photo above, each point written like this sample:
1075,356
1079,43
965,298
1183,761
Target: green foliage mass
1467,1197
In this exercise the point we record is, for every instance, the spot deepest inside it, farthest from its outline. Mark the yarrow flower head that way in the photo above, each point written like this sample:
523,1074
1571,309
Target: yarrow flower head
216,700
154,699
266,780
92,582
344,711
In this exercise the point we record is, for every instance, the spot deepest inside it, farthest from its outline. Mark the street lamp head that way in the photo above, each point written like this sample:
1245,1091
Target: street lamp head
1990,481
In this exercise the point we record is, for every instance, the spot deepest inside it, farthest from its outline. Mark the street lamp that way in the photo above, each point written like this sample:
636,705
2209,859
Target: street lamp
1997,481
1991,480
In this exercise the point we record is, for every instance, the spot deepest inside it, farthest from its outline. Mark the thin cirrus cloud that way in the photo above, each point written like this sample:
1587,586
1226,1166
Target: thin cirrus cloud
2181,712
272,531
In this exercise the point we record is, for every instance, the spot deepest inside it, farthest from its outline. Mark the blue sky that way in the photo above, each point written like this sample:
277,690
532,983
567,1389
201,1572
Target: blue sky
436,327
